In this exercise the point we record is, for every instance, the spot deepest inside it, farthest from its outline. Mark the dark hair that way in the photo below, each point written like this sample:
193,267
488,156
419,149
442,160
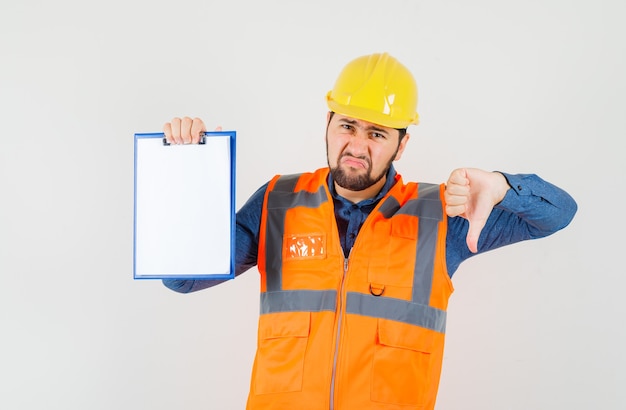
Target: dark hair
401,132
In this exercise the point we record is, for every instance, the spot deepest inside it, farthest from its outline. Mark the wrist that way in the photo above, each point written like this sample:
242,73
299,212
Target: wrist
501,185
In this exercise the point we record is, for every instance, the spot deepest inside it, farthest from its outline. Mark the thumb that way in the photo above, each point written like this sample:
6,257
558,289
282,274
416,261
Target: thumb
477,219
475,228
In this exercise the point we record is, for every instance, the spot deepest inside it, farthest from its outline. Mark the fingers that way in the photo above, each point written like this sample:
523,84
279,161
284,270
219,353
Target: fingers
458,177
167,130
196,128
456,210
172,131
184,130
457,193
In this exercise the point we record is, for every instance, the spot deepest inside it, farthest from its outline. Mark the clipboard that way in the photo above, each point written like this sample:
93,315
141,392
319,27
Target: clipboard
184,207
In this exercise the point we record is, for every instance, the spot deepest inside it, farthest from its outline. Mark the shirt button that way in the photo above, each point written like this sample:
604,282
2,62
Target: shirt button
519,187
352,236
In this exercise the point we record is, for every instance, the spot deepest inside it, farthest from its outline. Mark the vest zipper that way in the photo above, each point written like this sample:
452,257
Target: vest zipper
339,319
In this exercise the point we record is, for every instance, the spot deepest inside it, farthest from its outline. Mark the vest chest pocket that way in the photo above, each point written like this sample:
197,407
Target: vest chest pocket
394,253
279,362
401,367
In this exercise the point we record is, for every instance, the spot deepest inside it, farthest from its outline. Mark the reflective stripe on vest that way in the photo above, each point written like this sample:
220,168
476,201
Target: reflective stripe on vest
281,199
426,207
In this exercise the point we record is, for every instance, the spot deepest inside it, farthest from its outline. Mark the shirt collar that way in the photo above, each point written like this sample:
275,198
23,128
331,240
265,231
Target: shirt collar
391,180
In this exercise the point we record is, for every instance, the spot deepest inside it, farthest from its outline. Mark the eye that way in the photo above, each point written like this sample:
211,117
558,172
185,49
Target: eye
378,135
347,127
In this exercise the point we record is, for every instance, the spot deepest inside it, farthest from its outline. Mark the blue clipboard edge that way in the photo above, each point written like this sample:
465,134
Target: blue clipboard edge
233,151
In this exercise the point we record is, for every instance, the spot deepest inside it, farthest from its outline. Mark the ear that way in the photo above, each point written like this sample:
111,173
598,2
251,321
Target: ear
402,146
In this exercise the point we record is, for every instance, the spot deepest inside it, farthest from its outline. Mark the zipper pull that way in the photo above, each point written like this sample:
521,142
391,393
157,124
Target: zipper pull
345,262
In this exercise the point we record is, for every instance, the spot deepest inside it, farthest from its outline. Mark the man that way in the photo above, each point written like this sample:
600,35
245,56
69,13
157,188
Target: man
356,264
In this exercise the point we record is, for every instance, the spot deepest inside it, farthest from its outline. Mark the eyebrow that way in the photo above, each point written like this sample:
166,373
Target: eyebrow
368,128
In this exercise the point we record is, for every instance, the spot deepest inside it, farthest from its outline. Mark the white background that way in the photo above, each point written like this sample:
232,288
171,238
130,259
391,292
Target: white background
532,87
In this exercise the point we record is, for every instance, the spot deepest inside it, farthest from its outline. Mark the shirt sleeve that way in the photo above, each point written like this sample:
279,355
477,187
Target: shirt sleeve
531,209
247,228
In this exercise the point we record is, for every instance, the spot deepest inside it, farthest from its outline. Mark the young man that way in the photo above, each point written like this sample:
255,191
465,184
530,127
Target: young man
356,264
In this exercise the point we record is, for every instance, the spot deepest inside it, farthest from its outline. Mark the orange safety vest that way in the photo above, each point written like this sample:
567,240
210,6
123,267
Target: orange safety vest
366,332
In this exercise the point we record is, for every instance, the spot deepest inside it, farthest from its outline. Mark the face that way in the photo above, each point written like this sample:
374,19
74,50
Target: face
359,152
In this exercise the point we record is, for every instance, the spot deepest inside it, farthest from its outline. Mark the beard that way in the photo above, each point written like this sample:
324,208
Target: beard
360,182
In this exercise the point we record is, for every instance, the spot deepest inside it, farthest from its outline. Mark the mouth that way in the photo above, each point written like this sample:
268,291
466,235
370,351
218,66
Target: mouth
354,162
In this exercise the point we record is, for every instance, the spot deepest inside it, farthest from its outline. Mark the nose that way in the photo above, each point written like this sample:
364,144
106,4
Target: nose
358,144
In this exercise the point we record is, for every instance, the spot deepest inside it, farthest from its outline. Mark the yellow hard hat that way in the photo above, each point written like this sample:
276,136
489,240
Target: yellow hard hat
376,88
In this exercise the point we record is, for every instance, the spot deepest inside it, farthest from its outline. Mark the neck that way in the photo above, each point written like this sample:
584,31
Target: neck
358,196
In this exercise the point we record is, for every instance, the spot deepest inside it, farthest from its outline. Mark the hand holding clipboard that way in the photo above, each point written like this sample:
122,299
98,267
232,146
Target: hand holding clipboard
185,130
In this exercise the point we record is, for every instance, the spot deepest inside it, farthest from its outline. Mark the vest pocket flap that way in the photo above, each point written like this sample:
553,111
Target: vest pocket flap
284,324
279,363
404,336
404,226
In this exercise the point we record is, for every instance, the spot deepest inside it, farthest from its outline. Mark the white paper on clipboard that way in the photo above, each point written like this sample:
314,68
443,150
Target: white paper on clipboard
184,207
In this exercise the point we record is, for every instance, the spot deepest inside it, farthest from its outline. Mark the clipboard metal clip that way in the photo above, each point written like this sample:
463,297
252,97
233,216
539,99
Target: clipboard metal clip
201,142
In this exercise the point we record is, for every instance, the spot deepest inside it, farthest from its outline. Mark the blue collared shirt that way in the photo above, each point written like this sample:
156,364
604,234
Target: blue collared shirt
532,208
350,217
